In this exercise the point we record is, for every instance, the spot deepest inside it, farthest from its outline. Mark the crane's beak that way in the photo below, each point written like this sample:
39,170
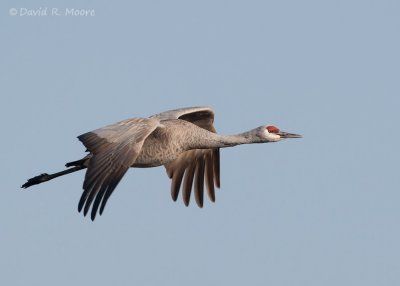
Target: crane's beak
288,135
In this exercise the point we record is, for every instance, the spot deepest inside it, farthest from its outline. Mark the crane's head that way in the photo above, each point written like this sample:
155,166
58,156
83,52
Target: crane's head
270,133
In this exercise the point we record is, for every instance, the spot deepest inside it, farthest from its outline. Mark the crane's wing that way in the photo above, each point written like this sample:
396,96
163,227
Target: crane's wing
195,165
188,113
114,148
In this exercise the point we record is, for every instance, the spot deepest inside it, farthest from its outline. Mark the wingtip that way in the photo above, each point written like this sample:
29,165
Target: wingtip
80,205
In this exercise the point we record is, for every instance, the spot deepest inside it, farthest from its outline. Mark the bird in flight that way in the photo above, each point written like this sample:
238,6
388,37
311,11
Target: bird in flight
183,140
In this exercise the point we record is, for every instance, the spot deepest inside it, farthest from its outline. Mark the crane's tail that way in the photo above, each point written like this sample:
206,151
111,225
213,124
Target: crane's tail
47,177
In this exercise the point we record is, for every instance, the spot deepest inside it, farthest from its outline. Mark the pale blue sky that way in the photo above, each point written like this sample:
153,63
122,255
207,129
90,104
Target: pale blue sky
323,210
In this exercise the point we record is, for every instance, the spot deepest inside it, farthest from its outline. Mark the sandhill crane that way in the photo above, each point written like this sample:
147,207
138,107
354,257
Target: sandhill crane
183,140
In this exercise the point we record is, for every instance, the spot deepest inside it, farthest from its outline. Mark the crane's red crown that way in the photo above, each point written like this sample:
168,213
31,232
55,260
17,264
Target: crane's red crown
272,129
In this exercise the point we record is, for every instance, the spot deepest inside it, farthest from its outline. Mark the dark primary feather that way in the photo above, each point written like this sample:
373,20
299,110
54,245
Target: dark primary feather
199,182
187,183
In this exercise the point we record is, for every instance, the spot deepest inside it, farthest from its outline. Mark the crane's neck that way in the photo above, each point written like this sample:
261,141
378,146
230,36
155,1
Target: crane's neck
238,139
215,140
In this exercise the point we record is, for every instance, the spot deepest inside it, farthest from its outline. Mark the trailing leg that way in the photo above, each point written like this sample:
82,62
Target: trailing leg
47,177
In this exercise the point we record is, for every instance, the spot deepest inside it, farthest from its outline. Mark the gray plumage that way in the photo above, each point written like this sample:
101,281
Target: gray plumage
183,140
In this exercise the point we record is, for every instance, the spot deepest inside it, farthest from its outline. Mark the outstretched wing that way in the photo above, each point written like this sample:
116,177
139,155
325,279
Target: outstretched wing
195,165
114,148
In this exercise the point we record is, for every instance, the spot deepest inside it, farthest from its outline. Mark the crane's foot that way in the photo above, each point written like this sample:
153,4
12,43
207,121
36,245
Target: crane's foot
37,180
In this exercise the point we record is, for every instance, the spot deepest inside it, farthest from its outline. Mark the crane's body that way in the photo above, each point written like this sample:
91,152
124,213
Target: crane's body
183,140
168,141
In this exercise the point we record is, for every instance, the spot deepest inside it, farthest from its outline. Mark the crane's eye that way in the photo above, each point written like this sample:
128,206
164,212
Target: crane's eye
272,129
